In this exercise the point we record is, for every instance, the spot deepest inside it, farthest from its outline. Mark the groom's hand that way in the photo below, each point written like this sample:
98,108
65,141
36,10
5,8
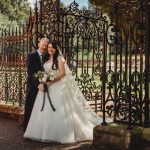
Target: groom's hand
41,87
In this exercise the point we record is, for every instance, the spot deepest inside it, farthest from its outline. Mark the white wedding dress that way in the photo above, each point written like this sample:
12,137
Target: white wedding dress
73,119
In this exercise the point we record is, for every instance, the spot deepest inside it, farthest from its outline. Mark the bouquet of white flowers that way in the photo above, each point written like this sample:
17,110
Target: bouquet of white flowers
44,76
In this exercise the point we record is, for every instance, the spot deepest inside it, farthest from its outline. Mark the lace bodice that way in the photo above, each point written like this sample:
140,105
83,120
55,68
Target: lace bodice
48,66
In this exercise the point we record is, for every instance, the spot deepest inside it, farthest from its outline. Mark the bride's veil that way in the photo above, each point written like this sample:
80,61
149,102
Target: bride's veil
78,96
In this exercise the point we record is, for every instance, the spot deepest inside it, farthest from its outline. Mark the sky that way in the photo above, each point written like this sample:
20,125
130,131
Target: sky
66,2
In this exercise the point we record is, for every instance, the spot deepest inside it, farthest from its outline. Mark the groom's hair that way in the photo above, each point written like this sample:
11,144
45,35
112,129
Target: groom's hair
44,39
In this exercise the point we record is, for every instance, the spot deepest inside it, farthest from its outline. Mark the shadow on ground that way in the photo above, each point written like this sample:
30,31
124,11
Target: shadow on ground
11,138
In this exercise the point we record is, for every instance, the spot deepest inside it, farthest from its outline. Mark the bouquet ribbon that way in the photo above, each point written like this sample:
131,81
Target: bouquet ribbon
48,96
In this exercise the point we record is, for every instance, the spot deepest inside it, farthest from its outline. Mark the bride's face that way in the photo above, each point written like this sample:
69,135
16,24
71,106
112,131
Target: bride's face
51,50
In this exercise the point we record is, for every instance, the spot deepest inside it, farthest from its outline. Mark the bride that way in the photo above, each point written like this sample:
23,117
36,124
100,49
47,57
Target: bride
73,119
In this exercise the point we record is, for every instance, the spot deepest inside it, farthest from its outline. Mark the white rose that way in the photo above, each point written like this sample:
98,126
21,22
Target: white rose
45,75
44,79
52,75
52,78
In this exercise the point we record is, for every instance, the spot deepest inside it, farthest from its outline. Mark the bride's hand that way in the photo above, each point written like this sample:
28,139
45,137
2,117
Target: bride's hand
49,83
41,87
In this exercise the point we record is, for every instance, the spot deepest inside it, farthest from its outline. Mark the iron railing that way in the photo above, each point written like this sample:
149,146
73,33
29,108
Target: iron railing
108,55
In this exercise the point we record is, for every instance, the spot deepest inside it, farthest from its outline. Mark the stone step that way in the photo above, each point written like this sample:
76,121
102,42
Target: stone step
13,110
118,137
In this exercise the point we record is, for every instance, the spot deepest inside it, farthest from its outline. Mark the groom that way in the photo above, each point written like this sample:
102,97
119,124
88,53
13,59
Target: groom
34,64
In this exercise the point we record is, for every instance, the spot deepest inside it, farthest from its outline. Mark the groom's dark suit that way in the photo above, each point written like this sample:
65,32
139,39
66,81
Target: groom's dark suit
34,65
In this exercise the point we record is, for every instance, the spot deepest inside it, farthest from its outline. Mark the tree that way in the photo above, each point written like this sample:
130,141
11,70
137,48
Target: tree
62,5
5,23
15,9
104,4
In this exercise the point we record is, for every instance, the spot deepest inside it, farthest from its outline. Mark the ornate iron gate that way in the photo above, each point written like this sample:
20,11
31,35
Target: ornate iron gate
108,55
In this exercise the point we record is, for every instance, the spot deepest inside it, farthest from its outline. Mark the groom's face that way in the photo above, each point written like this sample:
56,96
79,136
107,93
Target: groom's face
43,46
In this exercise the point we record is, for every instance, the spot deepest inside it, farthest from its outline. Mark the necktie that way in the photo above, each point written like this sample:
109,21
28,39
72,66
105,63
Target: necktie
42,58
42,61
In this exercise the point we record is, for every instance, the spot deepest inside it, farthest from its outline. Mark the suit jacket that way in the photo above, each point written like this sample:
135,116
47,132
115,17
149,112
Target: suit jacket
34,65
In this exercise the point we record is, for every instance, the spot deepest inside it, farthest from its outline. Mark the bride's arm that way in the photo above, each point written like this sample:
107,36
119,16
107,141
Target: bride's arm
61,68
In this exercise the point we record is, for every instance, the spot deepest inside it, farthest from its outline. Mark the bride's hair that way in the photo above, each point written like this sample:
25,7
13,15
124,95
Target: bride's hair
56,54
